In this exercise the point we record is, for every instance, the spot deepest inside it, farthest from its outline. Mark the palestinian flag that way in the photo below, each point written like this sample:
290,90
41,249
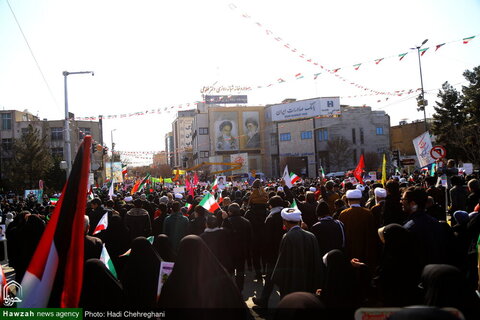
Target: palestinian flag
55,274
150,239
294,177
102,224
209,203
105,257
144,182
294,205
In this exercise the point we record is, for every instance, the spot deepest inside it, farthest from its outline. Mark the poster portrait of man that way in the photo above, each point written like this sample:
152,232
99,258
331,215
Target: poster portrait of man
226,131
252,129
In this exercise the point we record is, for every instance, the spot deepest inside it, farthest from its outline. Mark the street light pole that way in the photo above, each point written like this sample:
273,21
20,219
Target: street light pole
67,123
111,159
422,103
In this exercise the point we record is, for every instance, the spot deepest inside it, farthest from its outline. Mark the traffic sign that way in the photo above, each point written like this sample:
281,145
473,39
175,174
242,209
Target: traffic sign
438,152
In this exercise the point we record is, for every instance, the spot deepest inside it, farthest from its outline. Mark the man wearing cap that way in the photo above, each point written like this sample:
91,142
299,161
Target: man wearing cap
360,232
298,266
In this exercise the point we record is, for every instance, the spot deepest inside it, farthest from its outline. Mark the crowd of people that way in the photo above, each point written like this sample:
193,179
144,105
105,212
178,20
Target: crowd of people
331,245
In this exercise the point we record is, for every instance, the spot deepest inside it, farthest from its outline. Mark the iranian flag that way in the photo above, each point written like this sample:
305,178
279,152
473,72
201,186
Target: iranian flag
294,205
150,239
102,224
294,178
124,170
188,206
105,258
467,40
55,273
219,197
215,184
209,203
286,177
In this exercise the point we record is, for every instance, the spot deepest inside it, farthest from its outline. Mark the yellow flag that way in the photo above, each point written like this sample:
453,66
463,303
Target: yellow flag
384,170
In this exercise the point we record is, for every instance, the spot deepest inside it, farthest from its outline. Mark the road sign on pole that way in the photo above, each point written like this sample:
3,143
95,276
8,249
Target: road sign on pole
438,152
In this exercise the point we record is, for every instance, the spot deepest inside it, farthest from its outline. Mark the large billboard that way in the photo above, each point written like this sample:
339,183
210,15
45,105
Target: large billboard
251,130
319,107
225,126
236,99
241,158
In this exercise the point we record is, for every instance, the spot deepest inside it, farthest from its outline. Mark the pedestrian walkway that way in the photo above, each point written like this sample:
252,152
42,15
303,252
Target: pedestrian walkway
254,288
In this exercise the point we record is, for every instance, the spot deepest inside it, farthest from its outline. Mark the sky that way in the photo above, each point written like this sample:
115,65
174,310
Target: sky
157,54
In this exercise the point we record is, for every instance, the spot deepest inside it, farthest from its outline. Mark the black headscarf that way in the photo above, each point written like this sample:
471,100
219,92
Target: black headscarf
164,248
339,287
100,289
198,280
115,237
399,272
140,275
299,305
29,237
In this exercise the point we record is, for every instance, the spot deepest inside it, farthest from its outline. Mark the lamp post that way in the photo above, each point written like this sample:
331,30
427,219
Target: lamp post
67,124
421,102
111,158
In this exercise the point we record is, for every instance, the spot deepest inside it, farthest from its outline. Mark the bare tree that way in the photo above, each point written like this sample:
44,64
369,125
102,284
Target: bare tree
339,149
372,161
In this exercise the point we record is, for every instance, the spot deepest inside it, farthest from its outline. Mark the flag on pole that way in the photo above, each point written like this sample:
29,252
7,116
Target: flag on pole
219,197
55,274
110,190
144,182
124,170
215,184
294,178
105,258
294,205
322,173
384,171
150,239
135,188
358,172
209,203
102,224
195,180
286,177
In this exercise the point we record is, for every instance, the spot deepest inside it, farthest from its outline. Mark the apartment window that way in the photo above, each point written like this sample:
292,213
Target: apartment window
362,141
83,132
202,131
57,133
7,144
273,139
57,152
285,136
379,131
306,135
354,137
322,134
6,121
204,154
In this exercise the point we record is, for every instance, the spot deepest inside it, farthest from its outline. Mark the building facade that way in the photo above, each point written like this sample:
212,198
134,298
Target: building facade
182,138
15,123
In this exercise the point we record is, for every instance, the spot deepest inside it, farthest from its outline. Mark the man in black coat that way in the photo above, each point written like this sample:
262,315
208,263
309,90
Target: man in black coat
217,240
273,236
95,213
257,215
240,233
298,266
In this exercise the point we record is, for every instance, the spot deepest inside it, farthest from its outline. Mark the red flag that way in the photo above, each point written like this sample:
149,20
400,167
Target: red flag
195,179
358,172
189,187
135,187
55,273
